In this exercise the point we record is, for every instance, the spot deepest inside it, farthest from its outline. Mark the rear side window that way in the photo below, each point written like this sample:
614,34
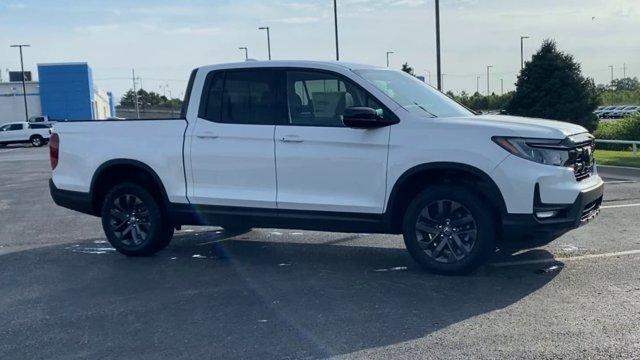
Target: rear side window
211,103
14,127
250,97
38,126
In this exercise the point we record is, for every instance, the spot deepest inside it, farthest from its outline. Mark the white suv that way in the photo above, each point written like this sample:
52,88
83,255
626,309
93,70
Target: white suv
23,132
335,147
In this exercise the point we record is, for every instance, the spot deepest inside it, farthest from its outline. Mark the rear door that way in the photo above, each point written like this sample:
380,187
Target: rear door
321,164
232,145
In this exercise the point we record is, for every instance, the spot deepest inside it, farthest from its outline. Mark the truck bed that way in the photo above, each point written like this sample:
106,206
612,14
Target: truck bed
87,145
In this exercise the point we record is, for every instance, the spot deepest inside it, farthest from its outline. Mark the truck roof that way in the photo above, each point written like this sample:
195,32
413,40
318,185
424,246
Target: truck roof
290,63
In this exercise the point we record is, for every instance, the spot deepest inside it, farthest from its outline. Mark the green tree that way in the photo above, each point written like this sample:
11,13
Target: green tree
551,86
408,69
149,100
626,84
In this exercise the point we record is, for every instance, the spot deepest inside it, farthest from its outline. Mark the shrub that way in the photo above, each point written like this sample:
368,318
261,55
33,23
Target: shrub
624,129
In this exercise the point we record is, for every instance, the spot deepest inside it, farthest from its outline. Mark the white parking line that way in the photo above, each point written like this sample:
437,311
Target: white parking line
618,206
574,258
621,182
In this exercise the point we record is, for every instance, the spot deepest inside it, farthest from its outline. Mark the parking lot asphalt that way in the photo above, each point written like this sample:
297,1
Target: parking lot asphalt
287,294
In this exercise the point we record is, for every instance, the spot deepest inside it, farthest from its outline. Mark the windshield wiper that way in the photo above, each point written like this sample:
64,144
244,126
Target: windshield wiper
425,110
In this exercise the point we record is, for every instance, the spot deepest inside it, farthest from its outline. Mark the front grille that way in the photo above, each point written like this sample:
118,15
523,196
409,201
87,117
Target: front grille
581,159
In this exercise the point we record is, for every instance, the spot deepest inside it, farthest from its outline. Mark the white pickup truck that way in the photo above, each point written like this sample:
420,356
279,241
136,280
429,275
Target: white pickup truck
335,147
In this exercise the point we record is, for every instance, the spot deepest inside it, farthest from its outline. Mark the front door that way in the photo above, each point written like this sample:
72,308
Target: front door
232,146
321,164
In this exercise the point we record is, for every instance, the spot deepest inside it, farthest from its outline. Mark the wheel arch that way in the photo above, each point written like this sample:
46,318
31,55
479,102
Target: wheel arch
119,170
417,178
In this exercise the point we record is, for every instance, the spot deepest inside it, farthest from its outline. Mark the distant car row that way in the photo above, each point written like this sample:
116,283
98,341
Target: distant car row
616,112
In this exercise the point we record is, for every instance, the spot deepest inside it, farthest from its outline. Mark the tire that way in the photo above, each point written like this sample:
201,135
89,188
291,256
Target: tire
36,141
449,230
134,222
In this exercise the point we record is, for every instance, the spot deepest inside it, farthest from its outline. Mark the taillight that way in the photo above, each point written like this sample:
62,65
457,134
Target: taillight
54,146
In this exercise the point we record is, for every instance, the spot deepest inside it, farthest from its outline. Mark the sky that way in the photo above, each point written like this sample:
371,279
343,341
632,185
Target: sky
165,40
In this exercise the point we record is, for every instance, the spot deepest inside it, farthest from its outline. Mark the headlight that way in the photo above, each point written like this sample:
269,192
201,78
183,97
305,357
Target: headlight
543,151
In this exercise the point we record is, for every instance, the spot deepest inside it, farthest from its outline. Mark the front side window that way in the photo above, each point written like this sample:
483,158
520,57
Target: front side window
319,99
4,127
412,94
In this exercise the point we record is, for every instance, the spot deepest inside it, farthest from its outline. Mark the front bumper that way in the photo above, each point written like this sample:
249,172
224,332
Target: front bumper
569,216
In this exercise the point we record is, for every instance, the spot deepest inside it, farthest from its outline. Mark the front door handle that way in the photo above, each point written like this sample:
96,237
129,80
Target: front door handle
291,139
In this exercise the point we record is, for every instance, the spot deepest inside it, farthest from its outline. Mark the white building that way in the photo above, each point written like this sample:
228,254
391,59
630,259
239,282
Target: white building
12,101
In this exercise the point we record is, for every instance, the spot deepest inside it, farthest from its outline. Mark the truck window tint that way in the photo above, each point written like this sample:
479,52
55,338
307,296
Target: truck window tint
250,97
14,127
319,99
212,97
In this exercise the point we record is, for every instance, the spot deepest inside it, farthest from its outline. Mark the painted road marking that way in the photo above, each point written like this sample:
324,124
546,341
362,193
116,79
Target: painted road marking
621,182
558,259
618,206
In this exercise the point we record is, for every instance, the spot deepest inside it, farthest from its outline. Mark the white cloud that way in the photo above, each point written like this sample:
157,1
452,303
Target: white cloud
298,20
95,29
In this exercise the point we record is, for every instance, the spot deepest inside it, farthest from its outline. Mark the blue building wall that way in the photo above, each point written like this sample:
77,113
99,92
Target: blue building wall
66,91
112,104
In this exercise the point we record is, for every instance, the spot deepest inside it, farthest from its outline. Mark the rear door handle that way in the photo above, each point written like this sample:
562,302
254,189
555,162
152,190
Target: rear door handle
291,139
207,135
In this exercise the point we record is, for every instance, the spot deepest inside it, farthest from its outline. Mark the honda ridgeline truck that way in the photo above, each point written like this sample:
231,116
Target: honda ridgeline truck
334,147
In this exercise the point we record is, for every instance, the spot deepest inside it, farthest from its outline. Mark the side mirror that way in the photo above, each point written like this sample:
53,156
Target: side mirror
363,118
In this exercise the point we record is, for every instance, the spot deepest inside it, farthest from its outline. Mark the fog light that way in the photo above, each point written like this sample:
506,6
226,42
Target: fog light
546,214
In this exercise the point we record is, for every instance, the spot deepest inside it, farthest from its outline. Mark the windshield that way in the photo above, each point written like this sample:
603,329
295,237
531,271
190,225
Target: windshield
412,94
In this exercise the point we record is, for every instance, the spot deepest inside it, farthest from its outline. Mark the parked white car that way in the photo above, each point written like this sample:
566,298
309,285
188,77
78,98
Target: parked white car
333,147
23,132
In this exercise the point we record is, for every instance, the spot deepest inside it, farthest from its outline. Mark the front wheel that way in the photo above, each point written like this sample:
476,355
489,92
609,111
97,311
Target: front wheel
450,230
134,222
37,141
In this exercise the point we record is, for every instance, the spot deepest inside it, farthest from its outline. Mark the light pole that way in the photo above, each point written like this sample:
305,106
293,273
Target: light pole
268,39
478,84
611,67
428,76
335,21
439,70
388,53
246,52
488,87
501,86
522,51
24,86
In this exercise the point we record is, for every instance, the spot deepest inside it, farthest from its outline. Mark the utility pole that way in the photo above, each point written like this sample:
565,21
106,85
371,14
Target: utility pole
24,86
441,81
522,51
268,39
611,67
624,70
488,87
478,84
335,20
135,93
501,86
439,71
246,52
389,52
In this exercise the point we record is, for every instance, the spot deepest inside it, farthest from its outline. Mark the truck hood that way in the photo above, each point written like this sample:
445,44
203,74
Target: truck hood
532,127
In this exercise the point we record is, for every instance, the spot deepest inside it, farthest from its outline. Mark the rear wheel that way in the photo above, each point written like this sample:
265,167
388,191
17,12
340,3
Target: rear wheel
37,140
448,229
134,221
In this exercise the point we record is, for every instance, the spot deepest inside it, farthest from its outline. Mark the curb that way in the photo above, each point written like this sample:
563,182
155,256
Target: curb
619,171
